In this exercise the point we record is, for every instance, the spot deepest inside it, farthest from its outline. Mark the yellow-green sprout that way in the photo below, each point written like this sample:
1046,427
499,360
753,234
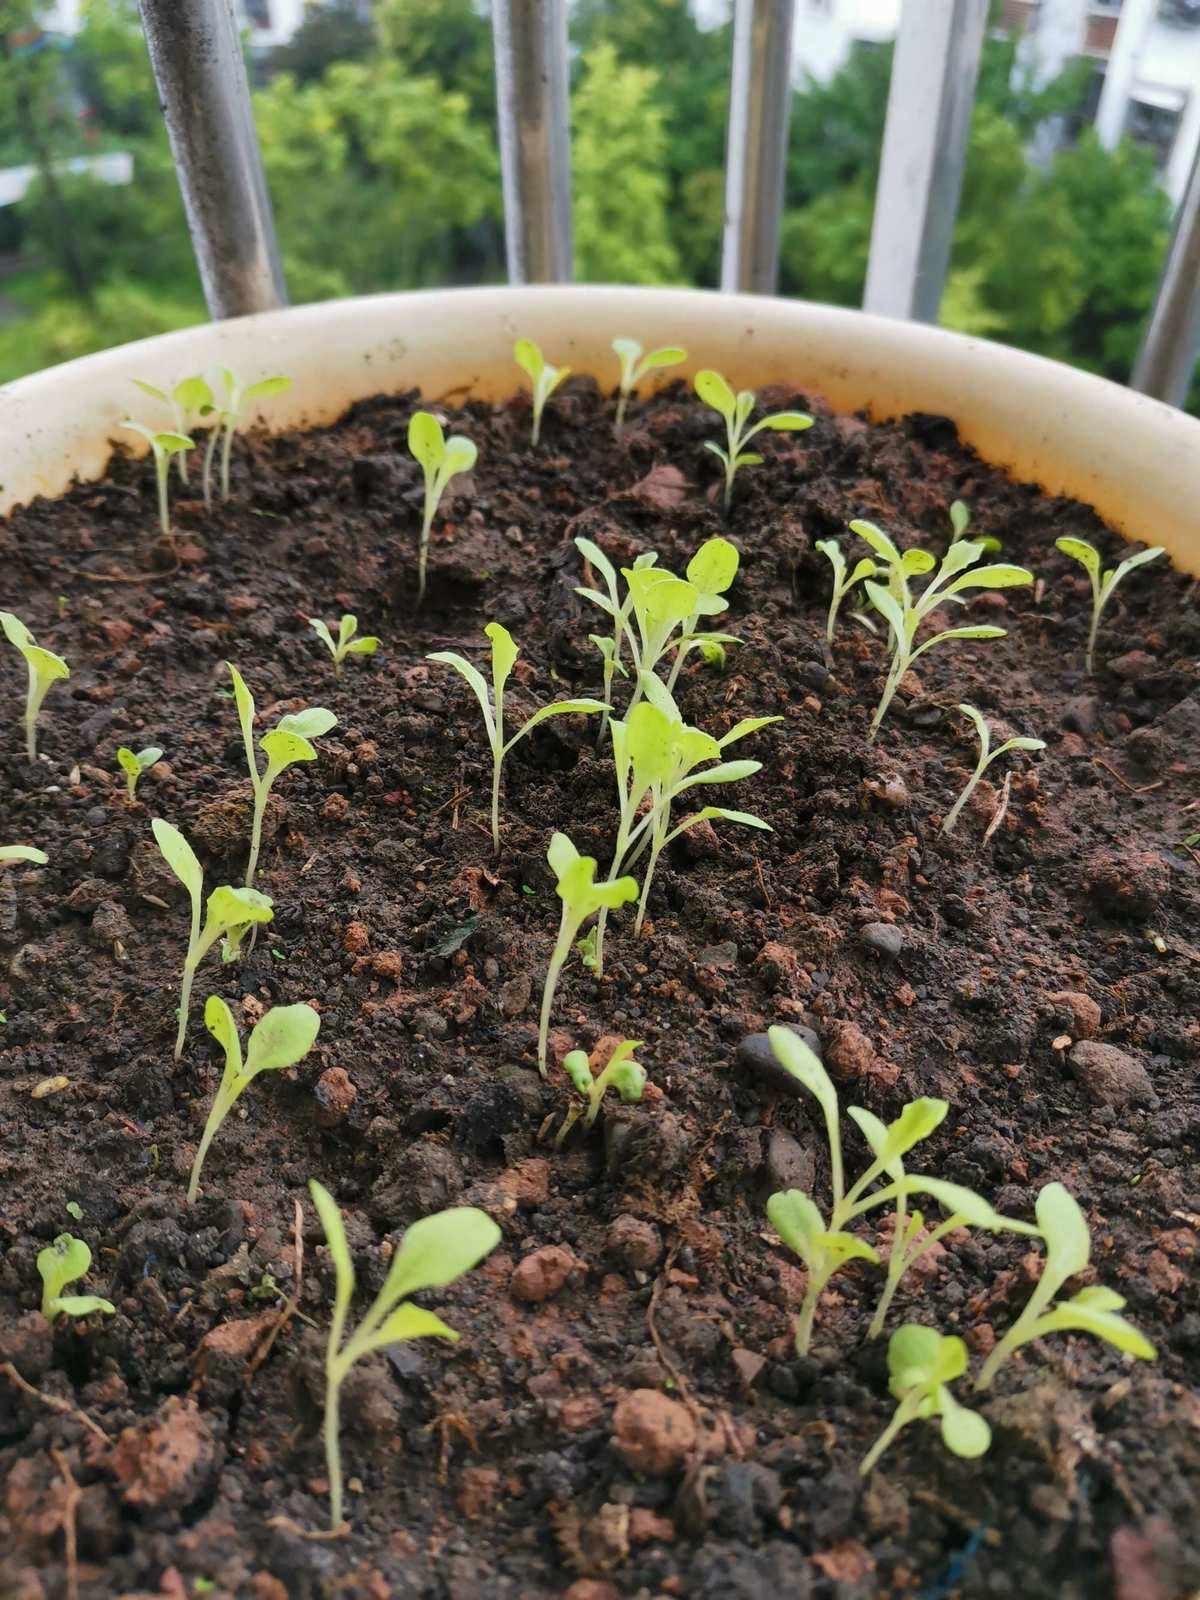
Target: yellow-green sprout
133,764
281,1037
440,458
986,756
843,581
23,852
44,670
622,1073
542,375
922,1363
635,364
227,416
60,1264
435,1252
1103,582
735,409
163,446
349,641
190,397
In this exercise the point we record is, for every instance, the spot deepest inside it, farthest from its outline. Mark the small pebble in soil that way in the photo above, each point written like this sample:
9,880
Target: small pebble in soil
1126,883
633,1242
541,1274
335,1095
652,1433
1109,1076
755,1056
884,939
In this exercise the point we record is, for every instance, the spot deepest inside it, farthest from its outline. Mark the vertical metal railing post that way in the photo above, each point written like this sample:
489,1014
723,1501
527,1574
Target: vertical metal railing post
924,151
197,59
530,42
760,102
1171,344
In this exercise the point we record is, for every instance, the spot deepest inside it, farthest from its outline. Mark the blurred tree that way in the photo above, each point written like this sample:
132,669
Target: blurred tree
333,31
450,40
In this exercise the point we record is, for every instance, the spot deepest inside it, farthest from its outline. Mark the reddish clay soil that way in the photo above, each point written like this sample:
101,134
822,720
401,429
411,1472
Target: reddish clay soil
625,1415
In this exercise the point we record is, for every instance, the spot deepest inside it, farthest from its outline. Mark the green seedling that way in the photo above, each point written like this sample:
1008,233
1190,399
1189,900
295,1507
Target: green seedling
435,1252
635,364
440,458
1093,1310
163,446
842,582
710,572
23,852
133,765
288,742
227,416
986,756
491,702
348,642
960,521
190,397
922,1363
581,898
611,645
283,1036
623,1073
735,409
231,913
542,375
44,669
60,1264
800,1225
904,613
1103,583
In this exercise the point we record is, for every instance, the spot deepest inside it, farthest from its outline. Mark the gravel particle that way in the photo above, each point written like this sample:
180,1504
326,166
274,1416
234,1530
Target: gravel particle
883,938
652,1433
1108,1076
542,1274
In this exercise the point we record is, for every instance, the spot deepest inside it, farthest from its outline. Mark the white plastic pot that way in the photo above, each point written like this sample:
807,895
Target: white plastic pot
1136,461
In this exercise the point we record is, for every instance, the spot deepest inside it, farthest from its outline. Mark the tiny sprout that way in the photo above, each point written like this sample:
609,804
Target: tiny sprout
960,521
1092,1310
435,1252
441,459
348,642
230,915
283,1036
921,1364
635,365
288,742
504,655
227,416
986,756
62,1263
74,1210
44,668
626,1076
190,396
133,765
542,375
162,446
842,584
736,408
23,852
581,897
1103,583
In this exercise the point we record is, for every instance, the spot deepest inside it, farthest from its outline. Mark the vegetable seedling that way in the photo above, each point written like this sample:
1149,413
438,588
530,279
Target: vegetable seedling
228,415
60,1264
163,446
735,409
610,646
44,668
904,613
440,458
986,756
542,375
622,1073
283,1036
133,765
190,397
288,742
23,852
491,702
1103,583
349,641
434,1252
230,914
581,898
843,582
960,521
635,364
1092,1310
922,1363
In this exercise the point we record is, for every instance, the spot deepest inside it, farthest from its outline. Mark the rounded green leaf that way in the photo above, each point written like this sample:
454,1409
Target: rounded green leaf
23,852
794,1056
461,455
715,392
787,422
267,386
714,566
667,355
173,443
411,1322
912,1357
504,652
876,538
425,439
219,1021
364,646
562,855
915,563
964,1432
628,1078
284,749
1065,1230
1003,575
15,630
796,1220
439,1249
960,517
1080,550
310,723
235,908
62,1263
529,358
179,856
192,394
575,1065
84,1305
284,1036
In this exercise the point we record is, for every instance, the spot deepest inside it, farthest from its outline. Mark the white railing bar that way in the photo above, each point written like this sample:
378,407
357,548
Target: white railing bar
930,99
197,59
760,100
1171,344
530,43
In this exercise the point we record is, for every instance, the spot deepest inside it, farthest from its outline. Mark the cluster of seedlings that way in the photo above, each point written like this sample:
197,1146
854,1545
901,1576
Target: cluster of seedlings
652,620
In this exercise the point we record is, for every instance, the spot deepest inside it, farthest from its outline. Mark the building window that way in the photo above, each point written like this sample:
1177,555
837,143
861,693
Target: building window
1153,120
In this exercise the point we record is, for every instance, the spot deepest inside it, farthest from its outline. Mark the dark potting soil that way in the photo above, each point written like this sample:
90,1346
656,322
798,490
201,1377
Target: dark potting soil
175,1454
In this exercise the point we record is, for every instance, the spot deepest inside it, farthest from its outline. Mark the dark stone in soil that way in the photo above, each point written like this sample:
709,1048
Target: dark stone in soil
755,1056
1109,1076
789,1165
883,939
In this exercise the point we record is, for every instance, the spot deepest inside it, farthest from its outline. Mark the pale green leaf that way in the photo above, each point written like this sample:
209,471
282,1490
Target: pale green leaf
335,1239
448,658
438,1249
284,749
504,653
461,455
1065,1230
964,1432
284,1036
529,358
1080,550
787,422
23,852
714,566
426,441
715,392
794,1056
876,538
179,856
311,723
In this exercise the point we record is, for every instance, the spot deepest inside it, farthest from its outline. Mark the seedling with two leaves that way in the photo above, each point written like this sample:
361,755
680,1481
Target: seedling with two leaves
1103,582
544,377
227,416
440,459
843,581
491,702
922,1363
281,1037
133,764
349,641
986,756
622,1073
288,742
189,398
63,1263
44,669
164,447
635,364
230,915
735,409
435,1252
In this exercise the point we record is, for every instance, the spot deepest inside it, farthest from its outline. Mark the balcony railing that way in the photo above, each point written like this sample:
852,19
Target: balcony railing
197,61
